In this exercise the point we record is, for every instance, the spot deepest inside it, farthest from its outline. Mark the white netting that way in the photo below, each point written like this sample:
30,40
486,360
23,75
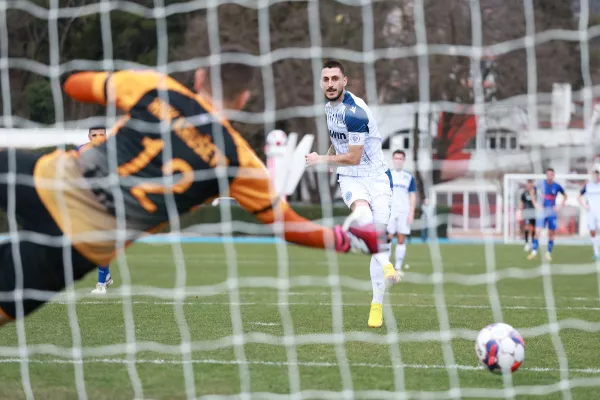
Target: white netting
344,360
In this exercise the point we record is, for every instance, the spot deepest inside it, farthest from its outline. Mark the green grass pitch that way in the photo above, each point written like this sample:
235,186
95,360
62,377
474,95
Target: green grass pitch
312,311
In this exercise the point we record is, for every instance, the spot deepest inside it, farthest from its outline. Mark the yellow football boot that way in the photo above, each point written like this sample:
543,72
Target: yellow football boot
376,316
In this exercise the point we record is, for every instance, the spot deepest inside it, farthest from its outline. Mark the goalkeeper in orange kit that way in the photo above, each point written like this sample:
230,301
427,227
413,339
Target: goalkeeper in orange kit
161,158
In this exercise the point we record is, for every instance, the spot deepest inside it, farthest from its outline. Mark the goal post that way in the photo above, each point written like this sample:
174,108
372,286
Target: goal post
225,309
572,218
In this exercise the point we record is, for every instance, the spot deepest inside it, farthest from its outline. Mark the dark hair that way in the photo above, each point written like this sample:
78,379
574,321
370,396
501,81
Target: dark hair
97,128
399,152
529,180
235,76
334,64
549,169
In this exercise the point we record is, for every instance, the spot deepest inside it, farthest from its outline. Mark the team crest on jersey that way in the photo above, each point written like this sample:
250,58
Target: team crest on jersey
348,196
354,138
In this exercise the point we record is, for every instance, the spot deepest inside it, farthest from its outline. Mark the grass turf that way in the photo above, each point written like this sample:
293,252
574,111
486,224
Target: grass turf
310,312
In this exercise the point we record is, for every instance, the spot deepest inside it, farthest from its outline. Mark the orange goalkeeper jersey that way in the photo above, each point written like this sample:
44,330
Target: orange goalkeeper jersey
160,160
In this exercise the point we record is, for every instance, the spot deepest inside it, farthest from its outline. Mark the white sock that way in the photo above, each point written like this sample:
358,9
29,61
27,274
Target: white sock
596,245
383,258
400,254
377,281
377,262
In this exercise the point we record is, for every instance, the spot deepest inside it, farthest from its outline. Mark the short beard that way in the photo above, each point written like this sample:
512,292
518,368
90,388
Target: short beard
338,96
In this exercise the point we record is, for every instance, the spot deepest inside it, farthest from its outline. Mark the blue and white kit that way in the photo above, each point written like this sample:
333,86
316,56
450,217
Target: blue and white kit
403,185
351,123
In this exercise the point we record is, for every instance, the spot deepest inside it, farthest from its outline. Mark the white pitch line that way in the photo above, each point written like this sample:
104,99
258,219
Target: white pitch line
298,263
282,364
361,293
406,294
322,304
265,323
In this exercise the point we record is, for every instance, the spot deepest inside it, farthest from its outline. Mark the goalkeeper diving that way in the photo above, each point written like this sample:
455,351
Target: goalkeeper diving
171,152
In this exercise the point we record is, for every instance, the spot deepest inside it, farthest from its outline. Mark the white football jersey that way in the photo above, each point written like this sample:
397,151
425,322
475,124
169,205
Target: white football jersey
351,123
403,183
592,191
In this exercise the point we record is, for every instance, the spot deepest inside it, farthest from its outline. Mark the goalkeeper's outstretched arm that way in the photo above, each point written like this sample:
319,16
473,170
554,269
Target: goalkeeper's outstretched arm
253,190
116,87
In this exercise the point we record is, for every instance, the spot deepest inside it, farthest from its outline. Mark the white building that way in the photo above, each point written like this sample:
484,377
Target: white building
562,137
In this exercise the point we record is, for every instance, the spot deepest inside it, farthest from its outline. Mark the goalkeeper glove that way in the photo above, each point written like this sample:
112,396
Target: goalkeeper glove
358,239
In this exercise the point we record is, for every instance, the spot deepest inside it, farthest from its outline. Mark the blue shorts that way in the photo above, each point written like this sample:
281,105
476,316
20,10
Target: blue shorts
542,222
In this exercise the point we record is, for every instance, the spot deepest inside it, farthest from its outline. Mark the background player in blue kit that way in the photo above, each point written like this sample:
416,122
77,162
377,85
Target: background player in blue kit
546,214
97,135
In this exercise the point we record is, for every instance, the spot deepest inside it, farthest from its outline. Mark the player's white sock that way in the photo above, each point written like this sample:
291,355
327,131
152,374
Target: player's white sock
596,245
377,281
400,254
377,261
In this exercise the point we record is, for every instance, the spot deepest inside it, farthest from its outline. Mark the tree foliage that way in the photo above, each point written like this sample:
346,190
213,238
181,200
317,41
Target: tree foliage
39,102
135,38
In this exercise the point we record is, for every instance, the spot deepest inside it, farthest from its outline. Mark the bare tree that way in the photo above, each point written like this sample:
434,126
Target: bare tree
451,78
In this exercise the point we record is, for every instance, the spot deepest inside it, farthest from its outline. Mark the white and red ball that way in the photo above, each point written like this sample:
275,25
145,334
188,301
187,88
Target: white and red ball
276,138
500,348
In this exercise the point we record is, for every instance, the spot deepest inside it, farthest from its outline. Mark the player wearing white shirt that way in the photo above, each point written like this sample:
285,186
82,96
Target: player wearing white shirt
591,190
363,175
404,199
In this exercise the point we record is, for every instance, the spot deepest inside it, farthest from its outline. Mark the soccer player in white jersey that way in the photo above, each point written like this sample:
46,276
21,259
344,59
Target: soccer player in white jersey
591,190
363,175
404,199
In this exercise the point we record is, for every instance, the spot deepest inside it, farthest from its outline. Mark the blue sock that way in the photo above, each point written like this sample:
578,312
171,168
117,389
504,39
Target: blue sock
550,245
535,244
103,273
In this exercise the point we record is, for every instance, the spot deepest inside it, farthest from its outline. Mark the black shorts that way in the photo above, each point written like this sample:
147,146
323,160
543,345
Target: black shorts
530,222
37,257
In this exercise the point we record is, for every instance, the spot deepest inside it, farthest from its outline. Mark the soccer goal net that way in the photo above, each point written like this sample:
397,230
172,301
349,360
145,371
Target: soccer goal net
480,95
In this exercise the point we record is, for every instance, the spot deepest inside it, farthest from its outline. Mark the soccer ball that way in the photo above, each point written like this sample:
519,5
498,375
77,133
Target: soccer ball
500,348
276,138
